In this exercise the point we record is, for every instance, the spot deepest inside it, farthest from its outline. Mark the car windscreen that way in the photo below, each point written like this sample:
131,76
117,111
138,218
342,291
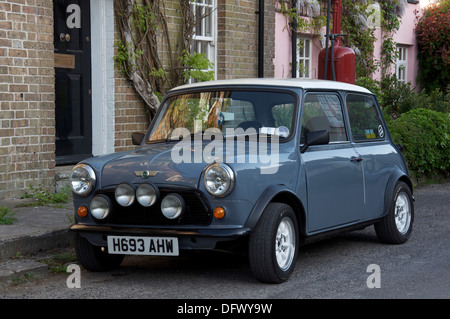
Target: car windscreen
226,112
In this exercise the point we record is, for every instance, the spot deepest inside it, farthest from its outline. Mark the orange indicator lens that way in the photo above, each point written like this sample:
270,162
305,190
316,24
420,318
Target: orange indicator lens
219,212
82,211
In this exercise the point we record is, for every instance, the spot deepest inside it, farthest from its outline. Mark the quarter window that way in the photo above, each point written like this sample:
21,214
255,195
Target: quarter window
364,119
323,112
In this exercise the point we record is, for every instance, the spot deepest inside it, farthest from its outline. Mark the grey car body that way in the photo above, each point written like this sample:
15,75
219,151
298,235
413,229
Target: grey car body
328,177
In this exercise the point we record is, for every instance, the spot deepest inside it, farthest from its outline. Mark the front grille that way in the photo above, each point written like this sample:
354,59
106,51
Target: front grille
196,212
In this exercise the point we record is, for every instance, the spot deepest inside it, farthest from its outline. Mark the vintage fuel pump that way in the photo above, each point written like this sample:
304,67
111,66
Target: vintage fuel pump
338,62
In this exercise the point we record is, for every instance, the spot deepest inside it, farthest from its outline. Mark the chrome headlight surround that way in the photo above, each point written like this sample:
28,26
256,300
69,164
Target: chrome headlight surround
124,195
172,206
82,179
100,206
147,194
219,179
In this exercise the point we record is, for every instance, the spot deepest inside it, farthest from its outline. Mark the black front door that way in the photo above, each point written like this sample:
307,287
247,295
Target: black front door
72,81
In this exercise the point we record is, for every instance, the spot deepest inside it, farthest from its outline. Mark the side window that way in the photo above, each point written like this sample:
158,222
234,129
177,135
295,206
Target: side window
323,111
364,119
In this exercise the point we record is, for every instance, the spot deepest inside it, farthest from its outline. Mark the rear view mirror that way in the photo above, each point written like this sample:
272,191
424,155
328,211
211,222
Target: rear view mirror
315,138
137,138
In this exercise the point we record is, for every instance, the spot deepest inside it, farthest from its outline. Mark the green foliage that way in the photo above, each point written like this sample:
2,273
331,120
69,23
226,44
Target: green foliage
143,17
43,197
425,137
433,46
391,13
396,97
120,59
58,263
197,67
359,34
6,216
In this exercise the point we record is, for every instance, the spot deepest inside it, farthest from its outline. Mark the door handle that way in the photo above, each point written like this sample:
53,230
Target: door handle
356,159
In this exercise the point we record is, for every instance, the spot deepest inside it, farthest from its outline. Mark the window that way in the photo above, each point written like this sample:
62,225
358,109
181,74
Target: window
303,58
364,119
204,39
402,64
323,112
283,115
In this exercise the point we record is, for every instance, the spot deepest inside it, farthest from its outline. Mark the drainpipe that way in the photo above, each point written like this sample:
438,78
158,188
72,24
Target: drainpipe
261,40
294,42
326,41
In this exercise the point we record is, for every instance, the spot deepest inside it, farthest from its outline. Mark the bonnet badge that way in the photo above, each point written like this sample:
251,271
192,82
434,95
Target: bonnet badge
145,174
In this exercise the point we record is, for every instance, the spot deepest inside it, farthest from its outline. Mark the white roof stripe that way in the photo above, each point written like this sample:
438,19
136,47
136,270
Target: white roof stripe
290,82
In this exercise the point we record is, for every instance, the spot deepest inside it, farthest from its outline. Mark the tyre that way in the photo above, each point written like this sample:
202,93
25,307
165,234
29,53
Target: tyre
396,226
273,244
93,258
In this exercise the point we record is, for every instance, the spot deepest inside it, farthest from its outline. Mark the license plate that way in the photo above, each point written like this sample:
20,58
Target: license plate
131,245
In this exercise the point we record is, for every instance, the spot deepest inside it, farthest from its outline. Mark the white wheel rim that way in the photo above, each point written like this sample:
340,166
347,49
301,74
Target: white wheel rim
285,243
402,213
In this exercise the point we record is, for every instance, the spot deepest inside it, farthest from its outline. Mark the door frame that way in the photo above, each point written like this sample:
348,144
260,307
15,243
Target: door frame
102,57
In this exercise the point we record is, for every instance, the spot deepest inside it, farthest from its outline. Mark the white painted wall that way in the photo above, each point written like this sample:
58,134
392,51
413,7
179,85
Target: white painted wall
102,48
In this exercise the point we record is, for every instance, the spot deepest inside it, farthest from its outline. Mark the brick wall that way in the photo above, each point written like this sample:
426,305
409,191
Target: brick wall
237,50
27,109
130,115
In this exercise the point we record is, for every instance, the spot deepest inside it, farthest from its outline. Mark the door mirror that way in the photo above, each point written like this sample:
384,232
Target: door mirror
315,138
137,138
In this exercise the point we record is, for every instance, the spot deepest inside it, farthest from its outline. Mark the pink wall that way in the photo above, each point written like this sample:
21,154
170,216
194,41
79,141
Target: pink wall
404,36
283,50
283,56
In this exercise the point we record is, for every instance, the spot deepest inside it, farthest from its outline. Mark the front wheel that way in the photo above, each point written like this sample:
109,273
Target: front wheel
273,245
396,226
93,258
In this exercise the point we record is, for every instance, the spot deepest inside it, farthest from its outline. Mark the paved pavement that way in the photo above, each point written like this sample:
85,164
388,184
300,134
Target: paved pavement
36,229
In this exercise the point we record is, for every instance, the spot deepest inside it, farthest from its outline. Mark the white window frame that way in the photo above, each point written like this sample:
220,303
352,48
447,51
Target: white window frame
401,65
206,37
304,54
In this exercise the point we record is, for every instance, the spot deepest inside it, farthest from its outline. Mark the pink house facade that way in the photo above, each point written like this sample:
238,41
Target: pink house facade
308,53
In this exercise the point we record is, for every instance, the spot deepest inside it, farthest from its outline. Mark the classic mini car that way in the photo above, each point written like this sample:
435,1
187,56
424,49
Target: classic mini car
269,164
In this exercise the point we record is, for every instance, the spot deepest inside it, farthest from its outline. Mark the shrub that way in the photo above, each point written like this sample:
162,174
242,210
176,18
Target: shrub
396,97
425,137
433,44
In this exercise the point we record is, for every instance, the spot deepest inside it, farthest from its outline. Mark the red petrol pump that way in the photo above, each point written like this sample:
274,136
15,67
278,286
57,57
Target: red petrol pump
336,63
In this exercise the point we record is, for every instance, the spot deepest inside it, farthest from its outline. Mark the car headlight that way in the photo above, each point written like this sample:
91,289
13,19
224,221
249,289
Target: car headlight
172,206
146,195
100,207
219,179
124,195
82,179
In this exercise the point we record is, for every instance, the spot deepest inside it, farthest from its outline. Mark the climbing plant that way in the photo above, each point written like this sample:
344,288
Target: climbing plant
391,14
154,56
359,34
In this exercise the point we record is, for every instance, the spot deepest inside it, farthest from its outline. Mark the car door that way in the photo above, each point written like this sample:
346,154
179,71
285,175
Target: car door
369,140
334,174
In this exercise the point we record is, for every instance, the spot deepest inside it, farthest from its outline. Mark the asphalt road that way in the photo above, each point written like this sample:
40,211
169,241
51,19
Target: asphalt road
339,268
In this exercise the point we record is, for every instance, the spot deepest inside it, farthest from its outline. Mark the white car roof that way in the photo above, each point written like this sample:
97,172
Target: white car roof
289,82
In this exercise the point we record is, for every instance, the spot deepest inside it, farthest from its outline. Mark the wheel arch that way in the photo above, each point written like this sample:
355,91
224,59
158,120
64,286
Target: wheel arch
280,194
397,176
